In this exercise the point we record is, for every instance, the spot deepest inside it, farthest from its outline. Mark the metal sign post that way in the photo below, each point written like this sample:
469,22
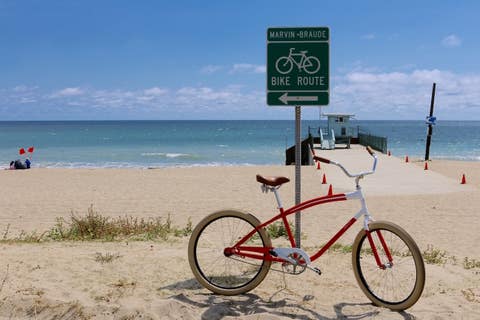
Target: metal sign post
298,167
298,69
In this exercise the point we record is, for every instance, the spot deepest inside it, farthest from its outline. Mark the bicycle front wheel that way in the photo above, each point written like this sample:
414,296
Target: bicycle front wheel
222,274
399,280
311,65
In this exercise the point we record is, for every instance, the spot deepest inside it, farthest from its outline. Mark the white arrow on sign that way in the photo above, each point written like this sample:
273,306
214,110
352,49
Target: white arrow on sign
285,98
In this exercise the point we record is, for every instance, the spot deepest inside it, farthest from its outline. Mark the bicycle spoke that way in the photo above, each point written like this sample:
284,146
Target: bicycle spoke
219,270
392,284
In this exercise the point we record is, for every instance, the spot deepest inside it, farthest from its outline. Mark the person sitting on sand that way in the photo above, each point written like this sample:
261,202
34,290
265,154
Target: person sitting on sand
18,164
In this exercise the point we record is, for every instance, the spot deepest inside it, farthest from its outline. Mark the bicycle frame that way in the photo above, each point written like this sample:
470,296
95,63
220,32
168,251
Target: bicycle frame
265,253
291,56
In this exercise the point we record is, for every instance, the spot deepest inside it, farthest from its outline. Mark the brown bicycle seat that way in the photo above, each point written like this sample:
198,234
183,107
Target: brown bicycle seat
272,181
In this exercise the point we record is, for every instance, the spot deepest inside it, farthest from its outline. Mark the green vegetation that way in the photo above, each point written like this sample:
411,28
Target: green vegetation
470,296
470,263
184,232
277,230
107,257
434,256
431,255
94,226
341,248
25,237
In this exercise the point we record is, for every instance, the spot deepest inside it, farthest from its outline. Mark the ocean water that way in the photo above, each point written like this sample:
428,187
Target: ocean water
144,144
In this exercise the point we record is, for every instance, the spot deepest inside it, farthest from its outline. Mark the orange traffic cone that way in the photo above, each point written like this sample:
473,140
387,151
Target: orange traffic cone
464,181
324,180
426,166
330,190
318,165
406,159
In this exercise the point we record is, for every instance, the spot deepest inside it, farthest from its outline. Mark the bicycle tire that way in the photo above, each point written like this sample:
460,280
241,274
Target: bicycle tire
217,272
399,286
286,62
312,62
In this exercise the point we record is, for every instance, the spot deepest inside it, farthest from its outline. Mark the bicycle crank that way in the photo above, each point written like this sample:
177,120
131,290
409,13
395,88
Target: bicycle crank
296,260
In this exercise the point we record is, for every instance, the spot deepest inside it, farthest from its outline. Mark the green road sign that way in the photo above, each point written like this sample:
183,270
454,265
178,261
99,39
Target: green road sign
298,66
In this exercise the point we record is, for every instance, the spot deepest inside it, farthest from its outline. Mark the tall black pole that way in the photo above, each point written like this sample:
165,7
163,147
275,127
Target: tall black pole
430,125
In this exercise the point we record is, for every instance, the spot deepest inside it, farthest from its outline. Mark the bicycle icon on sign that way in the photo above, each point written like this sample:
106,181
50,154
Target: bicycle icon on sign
309,64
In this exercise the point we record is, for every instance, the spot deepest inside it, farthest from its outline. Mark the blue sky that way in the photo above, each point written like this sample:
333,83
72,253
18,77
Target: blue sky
74,60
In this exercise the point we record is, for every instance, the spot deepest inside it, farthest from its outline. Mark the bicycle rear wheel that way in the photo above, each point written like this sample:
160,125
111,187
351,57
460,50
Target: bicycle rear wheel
221,274
398,284
284,65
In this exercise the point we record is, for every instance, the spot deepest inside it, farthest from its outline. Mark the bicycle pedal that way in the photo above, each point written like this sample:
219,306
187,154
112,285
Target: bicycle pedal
316,270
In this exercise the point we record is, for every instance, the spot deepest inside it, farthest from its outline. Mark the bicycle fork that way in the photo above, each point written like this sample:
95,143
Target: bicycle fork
381,265
358,194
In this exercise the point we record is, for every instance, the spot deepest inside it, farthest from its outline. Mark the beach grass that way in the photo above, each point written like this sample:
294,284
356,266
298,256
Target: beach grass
434,256
339,247
277,230
95,226
4,278
107,257
469,263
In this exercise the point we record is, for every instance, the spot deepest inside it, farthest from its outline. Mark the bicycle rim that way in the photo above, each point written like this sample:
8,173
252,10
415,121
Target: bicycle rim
398,285
217,272
311,65
284,65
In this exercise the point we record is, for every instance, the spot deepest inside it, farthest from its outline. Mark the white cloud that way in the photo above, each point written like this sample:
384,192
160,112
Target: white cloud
155,91
397,95
67,92
248,68
24,88
204,94
368,93
451,41
161,101
20,94
27,100
235,68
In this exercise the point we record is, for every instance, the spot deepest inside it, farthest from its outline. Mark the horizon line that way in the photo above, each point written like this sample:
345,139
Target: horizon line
151,120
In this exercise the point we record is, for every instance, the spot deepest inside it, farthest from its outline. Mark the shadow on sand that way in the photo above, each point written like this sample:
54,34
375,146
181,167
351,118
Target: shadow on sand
217,307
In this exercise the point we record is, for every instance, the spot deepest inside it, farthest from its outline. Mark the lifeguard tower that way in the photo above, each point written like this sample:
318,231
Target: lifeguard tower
339,133
339,130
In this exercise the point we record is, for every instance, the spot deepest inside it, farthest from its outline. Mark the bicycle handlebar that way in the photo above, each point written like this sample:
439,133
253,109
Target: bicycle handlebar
369,149
321,159
358,175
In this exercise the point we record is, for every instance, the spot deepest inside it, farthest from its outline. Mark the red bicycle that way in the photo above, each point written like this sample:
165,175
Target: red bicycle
230,252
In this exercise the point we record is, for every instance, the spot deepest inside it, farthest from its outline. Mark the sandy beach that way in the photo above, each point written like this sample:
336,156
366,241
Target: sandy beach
152,279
